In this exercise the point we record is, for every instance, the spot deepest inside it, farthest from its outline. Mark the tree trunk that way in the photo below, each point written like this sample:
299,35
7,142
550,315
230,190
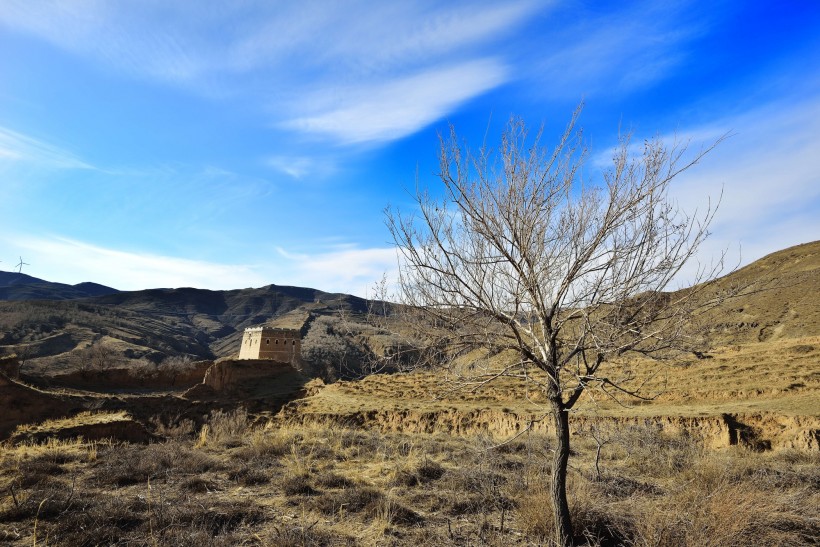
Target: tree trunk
558,488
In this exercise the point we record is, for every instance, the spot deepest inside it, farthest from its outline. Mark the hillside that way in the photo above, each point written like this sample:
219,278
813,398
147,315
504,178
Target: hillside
151,324
19,286
758,383
781,300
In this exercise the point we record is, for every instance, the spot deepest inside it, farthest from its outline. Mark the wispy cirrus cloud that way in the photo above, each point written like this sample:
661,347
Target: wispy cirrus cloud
363,38
762,175
388,68
767,168
137,38
616,51
399,107
766,175
18,148
299,166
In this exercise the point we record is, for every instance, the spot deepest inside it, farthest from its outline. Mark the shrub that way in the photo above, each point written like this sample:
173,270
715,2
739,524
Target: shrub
298,485
423,473
123,465
312,535
328,479
351,500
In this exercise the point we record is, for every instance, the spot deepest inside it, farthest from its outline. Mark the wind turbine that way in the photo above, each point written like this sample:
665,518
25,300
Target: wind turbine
21,264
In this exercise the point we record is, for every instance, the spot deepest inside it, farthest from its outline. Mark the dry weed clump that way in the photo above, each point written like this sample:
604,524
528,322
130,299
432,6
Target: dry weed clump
224,429
301,534
173,428
647,451
264,445
666,491
135,464
422,473
61,494
250,475
329,479
725,514
588,505
477,491
298,485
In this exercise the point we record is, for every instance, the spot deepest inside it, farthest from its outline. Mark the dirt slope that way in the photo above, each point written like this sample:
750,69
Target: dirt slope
22,404
783,299
152,324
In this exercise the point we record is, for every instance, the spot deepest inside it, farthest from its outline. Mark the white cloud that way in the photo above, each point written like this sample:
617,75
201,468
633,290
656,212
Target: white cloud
766,174
769,173
343,268
402,106
768,167
137,38
388,36
69,261
614,52
299,167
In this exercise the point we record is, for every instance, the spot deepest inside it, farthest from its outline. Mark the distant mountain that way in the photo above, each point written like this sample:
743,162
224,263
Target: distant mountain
94,289
152,324
19,286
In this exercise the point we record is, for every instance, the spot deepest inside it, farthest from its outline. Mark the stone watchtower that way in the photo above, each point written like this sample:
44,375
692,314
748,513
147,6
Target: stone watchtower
276,344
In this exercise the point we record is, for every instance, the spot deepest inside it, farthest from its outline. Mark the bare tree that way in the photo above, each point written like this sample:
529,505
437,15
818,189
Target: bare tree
98,355
522,255
24,353
104,356
81,359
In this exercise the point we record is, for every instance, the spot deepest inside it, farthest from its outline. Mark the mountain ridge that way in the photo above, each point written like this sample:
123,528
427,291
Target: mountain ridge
20,286
156,324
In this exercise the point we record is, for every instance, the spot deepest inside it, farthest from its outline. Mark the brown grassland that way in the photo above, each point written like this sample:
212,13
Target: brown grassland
234,483
403,460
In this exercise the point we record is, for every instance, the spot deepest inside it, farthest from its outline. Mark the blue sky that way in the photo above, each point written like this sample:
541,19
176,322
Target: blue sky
148,143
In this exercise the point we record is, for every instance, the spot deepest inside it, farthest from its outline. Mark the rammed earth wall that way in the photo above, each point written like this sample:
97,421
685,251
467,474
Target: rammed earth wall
284,345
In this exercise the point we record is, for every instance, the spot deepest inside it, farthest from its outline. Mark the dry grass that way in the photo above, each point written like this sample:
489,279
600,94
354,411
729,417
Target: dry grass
266,485
405,460
780,376
82,418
